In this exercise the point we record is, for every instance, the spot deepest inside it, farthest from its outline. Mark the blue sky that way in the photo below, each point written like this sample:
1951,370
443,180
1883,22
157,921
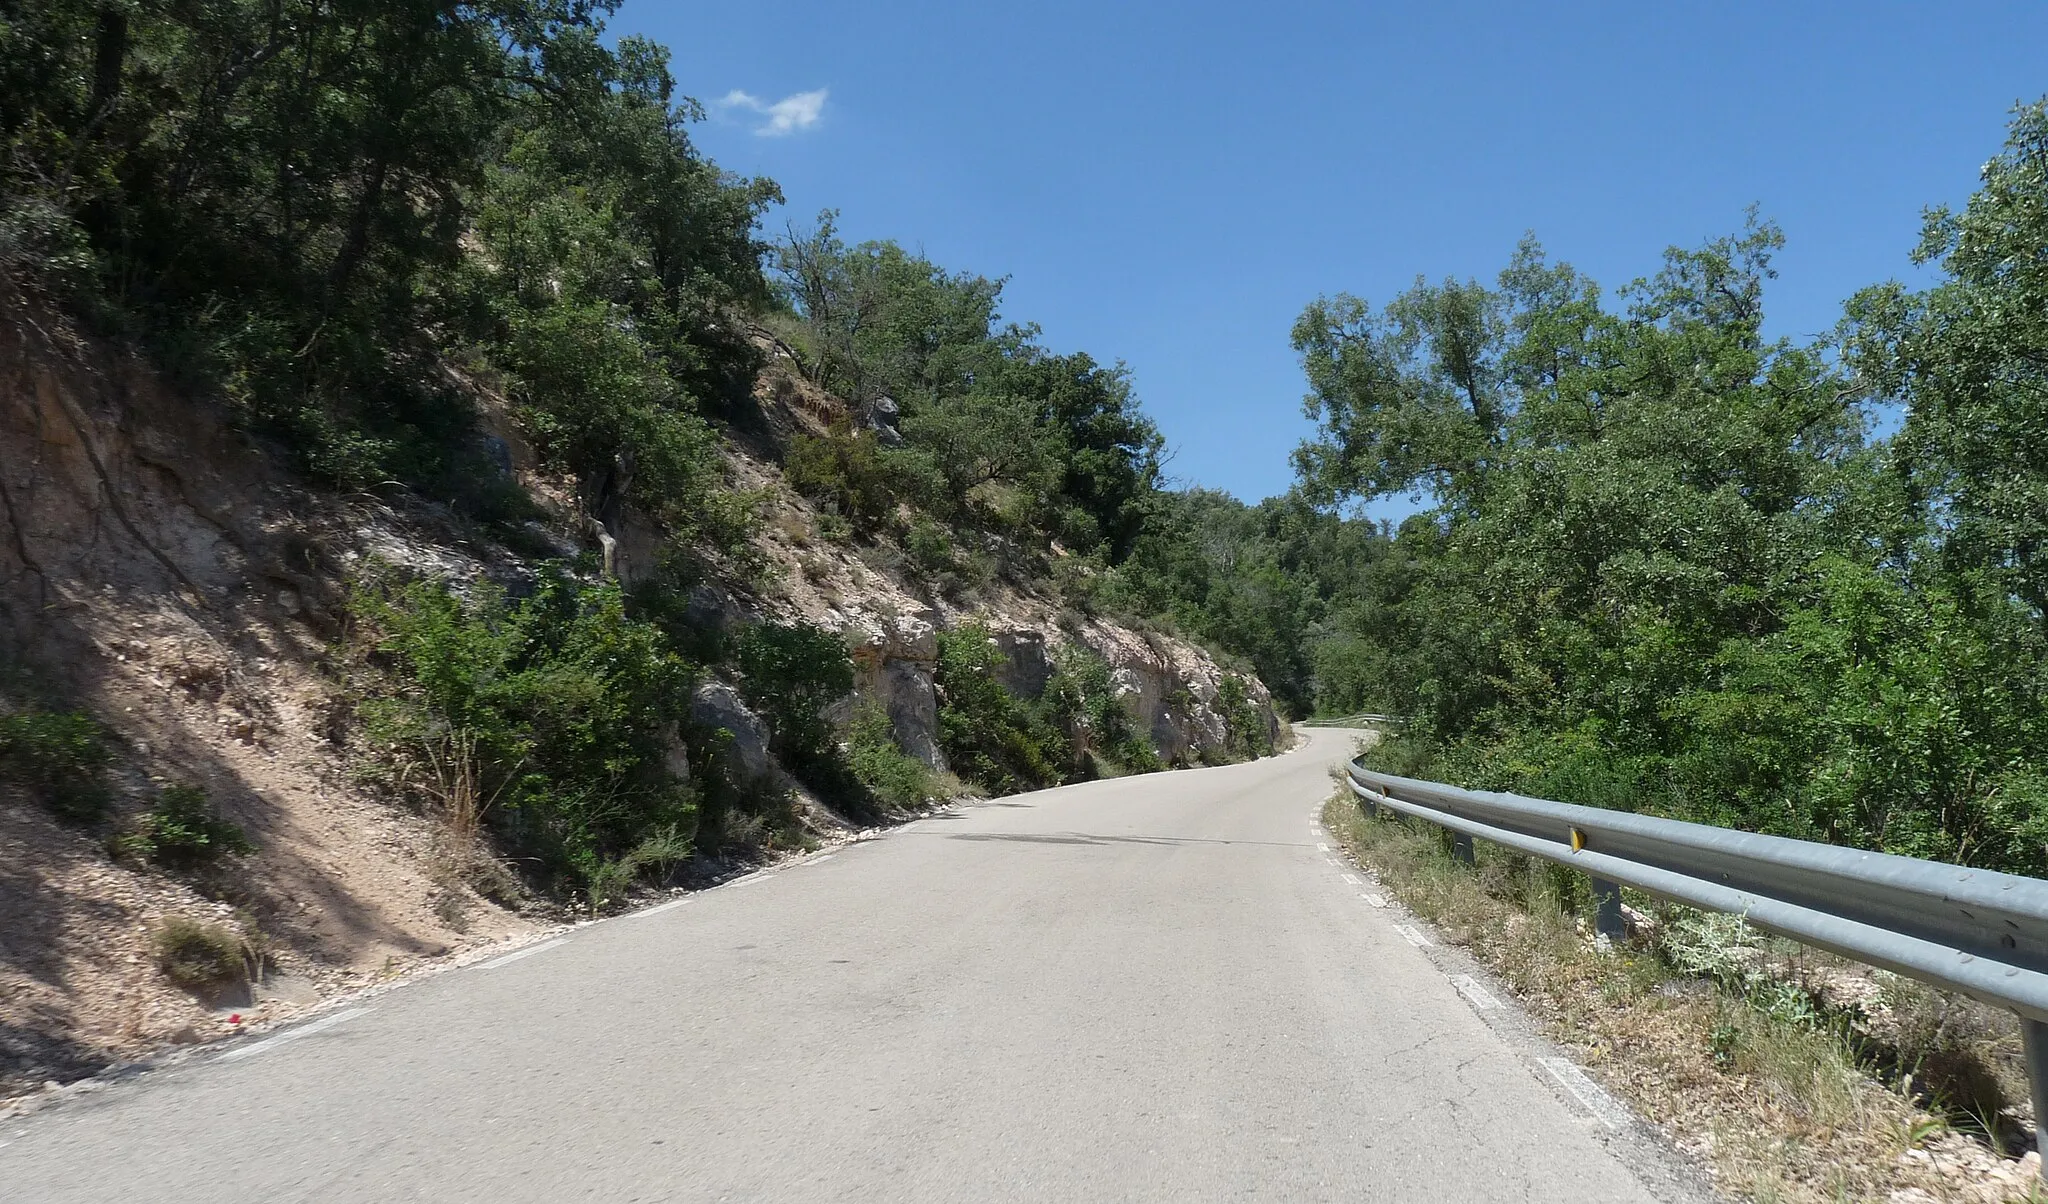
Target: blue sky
1169,184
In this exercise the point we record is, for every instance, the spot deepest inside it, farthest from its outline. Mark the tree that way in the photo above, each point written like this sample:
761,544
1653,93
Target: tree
1968,359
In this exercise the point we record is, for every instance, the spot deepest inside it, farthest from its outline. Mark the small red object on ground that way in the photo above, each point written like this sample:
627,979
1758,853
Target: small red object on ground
235,1019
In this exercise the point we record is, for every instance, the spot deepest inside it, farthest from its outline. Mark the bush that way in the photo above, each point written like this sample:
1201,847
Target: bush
892,776
552,717
846,472
1081,699
930,548
610,880
59,756
992,737
203,957
791,673
1245,732
184,831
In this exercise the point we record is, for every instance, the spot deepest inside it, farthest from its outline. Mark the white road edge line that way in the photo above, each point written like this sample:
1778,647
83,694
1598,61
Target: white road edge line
671,905
1477,995
1322,848
1375,900
1353,879
1603,1106
756,876
1413,937
821,857
516,954
293,1034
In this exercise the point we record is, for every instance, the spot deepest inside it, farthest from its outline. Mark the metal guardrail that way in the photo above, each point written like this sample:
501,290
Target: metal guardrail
1979,932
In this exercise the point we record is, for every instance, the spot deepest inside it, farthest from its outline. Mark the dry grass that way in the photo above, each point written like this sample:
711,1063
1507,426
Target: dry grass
1774,1099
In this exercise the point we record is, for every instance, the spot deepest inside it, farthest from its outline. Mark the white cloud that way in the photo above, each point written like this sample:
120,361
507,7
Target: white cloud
797,111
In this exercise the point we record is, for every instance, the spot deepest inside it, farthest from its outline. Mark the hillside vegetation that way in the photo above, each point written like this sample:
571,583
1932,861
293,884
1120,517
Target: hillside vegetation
365,229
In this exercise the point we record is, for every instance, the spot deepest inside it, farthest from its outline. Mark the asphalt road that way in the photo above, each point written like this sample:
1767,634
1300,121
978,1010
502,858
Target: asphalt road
1156,988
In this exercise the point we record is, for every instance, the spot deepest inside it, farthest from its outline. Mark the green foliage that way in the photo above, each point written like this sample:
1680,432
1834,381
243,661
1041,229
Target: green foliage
1968,359
1002,435
1081,700
1273,584
1078,728
60,757
559,708
894,777
790,673
999,464
1245,732
852,475
930,548
184,831
1665,570
879,320
991,737
314,209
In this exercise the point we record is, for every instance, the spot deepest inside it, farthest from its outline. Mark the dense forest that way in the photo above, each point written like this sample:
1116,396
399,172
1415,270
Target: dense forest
1667,563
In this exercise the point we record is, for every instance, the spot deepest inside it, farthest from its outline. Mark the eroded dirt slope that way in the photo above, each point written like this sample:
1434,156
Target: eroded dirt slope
156,571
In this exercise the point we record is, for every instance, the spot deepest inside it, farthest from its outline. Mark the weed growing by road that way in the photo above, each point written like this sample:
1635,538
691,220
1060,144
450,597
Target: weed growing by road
993,738
547,721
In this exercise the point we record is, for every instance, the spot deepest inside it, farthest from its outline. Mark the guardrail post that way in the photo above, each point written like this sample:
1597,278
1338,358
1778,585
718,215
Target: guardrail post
1461,847
1607,918
2034,1038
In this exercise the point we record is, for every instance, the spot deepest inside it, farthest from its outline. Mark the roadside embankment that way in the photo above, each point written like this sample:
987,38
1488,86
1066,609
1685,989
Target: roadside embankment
1792,1074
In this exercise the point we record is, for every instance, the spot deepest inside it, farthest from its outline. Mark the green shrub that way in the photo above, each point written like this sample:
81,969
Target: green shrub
930,548
894,777
60,757
845,471
1245,732
791,673
552,716
203,957
1082,700
992,737
184,831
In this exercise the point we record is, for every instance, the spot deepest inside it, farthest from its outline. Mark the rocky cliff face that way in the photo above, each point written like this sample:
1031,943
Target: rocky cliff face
891,623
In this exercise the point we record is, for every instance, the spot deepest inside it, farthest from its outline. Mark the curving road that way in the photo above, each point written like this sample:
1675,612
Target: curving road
1156,988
